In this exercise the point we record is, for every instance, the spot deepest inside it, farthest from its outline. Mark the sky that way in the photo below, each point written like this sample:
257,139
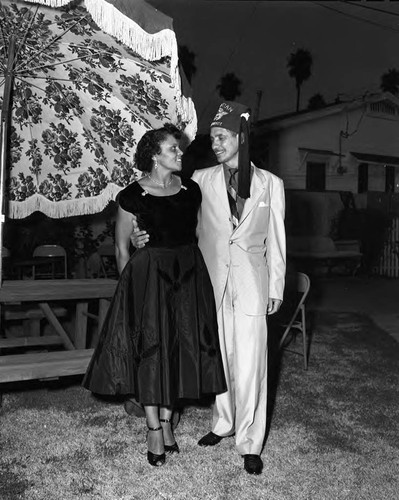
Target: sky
351,49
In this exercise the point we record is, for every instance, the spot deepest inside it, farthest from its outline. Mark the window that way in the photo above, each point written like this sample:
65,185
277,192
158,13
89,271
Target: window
389,179
363,178
315,176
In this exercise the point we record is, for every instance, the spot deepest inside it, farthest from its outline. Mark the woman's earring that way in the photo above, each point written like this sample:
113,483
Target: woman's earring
155,163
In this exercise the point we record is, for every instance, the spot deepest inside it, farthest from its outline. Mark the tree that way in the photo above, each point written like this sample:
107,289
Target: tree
229,87
390,81
187,60
317,101
300,68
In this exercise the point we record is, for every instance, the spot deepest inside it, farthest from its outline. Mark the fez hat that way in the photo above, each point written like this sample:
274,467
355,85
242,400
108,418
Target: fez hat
234,116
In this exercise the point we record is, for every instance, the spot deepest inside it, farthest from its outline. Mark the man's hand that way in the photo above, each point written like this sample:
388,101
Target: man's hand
138,238
273,306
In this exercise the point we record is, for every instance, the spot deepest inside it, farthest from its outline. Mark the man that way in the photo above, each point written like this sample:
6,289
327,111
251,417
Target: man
242,238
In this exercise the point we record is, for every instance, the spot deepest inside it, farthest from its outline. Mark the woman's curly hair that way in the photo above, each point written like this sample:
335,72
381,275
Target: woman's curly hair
149,145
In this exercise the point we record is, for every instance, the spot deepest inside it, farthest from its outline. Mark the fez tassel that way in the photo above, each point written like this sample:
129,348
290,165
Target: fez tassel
244,163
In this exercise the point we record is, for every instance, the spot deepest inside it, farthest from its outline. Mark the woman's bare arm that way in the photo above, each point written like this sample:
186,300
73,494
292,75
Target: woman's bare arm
123,231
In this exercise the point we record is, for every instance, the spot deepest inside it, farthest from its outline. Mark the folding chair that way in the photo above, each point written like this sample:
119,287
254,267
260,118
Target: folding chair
52,252
300,284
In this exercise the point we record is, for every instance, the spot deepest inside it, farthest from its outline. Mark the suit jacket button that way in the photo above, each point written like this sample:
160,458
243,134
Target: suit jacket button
231,242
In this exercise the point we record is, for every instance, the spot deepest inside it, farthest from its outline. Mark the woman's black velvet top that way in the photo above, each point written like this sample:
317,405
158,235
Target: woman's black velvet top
169,220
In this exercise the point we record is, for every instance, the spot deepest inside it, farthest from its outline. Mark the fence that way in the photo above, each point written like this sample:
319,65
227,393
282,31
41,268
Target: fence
389,263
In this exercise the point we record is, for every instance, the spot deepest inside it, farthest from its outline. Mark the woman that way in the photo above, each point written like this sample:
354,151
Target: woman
159,342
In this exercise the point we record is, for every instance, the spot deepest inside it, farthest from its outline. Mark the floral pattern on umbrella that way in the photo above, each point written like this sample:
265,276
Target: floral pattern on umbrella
80,102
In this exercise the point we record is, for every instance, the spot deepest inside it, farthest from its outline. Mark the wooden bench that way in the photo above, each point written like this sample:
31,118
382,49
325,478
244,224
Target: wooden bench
74,359
30,315
21,342
43,365
309,251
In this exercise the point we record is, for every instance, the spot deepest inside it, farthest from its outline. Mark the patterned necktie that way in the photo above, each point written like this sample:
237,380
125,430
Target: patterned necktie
232,196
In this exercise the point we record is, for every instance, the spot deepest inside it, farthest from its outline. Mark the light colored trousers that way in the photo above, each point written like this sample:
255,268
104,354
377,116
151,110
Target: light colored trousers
243,343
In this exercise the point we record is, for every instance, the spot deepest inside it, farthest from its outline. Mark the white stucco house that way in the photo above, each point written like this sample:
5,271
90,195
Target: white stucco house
347,146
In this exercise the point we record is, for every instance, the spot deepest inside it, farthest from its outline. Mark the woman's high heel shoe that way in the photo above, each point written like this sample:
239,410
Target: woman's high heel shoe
153,458
170,448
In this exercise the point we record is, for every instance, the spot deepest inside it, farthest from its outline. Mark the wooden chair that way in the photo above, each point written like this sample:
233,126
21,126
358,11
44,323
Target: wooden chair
297,289
50,270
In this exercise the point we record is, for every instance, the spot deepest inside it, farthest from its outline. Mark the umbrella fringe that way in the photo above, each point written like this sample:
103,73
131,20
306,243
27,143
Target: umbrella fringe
63,208
51,3
187,109
150,46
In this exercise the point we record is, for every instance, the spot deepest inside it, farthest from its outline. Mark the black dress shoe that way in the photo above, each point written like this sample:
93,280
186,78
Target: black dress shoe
253,464
153,458
170,448
210,439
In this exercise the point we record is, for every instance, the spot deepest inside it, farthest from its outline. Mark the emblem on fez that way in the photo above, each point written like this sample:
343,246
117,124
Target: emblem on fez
223,110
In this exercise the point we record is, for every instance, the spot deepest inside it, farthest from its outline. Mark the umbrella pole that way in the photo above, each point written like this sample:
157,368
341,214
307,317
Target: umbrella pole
4,136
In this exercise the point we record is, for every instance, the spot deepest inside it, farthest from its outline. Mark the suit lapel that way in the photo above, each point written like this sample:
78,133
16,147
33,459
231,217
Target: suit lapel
218,187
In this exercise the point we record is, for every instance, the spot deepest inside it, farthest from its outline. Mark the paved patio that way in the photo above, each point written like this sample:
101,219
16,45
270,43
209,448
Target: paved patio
374,296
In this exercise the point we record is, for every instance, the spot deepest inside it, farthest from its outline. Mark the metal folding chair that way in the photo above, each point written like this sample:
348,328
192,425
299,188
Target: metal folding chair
50,251
298,285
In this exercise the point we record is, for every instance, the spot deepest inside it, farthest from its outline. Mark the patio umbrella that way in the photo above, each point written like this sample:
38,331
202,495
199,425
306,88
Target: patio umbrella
79,86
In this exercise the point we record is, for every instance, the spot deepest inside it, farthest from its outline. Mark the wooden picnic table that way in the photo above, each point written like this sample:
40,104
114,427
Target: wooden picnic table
46,294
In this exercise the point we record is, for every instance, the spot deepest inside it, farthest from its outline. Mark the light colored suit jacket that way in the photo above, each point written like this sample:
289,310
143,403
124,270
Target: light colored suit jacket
255,250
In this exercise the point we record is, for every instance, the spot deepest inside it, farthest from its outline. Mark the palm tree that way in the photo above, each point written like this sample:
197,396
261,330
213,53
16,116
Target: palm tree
300,67
317,101
229,86
390,81
187,60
